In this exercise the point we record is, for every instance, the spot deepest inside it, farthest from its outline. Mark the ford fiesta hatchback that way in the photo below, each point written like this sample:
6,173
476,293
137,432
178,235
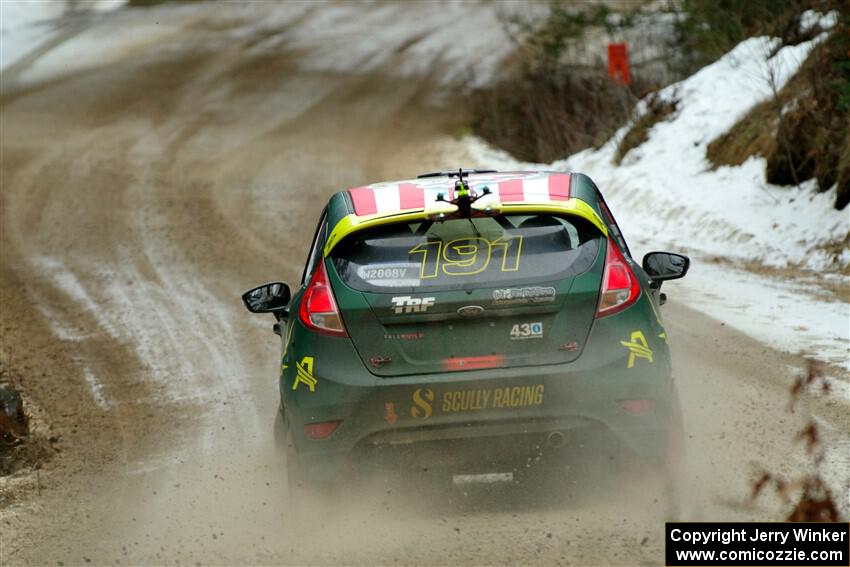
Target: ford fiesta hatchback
470,322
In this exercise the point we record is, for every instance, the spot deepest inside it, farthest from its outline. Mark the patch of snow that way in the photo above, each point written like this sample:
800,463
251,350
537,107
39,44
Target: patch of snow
19,14
401,39
836,461
27,25
665,196
60,329
780,313
102,5
92,48
68,282
24,27
406,38
811,19
95,387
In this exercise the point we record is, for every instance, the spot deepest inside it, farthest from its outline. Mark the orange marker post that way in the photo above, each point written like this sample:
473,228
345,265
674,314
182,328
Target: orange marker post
618,63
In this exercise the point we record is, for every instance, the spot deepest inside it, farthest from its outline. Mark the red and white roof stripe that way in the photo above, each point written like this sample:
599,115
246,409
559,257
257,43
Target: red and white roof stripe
387,198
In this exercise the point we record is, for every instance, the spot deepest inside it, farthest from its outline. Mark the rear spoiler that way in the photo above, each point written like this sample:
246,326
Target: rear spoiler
352,223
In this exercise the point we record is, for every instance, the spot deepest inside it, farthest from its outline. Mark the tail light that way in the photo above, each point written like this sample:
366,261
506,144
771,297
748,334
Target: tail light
321,430
319,311
620,287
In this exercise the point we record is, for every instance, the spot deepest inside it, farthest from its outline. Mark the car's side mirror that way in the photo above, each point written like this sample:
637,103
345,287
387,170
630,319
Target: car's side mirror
268,298
663,266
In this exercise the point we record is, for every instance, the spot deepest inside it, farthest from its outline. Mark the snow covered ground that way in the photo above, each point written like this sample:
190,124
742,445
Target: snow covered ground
28,25
403,39
666,197
24,27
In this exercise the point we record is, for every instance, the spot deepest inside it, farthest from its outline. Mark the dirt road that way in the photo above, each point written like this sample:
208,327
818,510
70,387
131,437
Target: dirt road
141,197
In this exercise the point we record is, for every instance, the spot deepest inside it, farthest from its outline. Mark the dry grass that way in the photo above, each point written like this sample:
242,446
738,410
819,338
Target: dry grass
803,132
656,111
548,113
556,103
753,135
809,494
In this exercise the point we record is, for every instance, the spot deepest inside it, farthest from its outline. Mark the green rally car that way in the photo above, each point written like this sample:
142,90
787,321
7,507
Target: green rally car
469,322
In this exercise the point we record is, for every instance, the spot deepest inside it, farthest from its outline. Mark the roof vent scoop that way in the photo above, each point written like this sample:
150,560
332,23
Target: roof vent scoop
459,173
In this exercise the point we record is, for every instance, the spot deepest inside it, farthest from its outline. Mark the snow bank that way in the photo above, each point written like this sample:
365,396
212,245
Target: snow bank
665,186
665,196
666,190
810,19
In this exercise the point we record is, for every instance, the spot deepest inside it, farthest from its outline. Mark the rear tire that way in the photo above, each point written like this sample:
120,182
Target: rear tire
672,502
296,481
280,430
309,492
283,441
674,465
661,476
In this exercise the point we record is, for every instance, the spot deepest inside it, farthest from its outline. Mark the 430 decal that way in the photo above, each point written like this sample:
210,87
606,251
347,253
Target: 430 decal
467,256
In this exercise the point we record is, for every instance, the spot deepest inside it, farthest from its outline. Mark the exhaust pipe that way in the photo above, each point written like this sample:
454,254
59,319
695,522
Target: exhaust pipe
556,439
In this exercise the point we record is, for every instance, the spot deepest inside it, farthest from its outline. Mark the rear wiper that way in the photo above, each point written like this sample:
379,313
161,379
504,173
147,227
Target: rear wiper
423,228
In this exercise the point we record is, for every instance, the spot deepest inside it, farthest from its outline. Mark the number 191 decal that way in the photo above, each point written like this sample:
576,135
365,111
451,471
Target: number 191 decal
466,256
522,331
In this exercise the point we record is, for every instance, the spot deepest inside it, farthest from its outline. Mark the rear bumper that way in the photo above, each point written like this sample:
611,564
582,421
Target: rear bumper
394,422
518,448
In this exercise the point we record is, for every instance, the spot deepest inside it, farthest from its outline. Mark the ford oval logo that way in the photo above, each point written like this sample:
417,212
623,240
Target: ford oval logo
470,311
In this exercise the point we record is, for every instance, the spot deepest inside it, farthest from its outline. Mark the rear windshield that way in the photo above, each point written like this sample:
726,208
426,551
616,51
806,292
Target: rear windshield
458,253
